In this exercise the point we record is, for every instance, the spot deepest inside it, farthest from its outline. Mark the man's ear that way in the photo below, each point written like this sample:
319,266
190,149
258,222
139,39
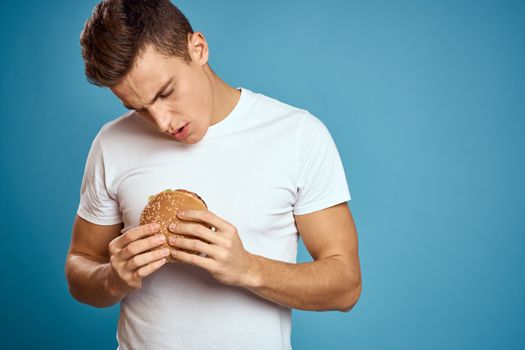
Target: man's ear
198,48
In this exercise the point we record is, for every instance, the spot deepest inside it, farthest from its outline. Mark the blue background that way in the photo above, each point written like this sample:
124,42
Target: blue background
425,100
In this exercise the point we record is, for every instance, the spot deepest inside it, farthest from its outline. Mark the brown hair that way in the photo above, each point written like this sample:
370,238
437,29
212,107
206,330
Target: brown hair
118,30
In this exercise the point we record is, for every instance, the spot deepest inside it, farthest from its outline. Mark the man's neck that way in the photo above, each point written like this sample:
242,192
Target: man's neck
225,98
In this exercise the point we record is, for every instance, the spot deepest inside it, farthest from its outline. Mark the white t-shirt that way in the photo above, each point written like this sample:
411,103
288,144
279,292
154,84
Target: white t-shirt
263,163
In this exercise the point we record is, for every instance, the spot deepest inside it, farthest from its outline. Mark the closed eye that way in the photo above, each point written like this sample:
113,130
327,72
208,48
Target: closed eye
166,94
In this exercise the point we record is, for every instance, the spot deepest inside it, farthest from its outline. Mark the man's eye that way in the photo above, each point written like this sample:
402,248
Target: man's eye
166,94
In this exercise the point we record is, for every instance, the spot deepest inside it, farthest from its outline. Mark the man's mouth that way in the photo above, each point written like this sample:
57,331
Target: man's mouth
178,130
181,132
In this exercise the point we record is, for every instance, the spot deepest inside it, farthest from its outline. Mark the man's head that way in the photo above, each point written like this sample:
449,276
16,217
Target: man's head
119,30
146,52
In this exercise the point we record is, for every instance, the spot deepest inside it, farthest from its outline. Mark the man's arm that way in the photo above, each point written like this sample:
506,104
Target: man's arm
103,266
88,271
331,282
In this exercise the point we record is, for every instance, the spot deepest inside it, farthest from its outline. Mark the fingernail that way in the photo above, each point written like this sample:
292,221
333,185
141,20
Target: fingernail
181,213
172,226
156,226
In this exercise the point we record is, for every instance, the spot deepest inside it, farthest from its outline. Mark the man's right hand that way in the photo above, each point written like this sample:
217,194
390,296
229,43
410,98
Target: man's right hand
131,259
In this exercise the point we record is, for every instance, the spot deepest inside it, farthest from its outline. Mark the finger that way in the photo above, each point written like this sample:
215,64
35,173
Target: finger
137,233
193,259
150,268
141,245
205,216
197,230
140,260
195,245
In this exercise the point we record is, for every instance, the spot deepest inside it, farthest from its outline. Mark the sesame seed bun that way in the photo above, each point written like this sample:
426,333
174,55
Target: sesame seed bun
162,208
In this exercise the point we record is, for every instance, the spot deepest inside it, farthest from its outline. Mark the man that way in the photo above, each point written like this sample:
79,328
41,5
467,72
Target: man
268,172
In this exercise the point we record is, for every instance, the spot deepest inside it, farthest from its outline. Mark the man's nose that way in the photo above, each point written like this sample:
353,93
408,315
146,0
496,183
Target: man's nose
160,116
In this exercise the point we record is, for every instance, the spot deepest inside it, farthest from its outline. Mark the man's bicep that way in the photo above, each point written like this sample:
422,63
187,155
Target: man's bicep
92,240
330,232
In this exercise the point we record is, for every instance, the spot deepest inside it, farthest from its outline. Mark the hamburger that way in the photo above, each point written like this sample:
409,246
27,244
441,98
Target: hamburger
162,208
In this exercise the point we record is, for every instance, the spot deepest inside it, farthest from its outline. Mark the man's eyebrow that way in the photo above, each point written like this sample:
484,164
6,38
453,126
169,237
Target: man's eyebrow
160,91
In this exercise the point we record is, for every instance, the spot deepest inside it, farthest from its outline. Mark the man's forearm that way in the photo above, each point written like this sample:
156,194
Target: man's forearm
325,284
92,282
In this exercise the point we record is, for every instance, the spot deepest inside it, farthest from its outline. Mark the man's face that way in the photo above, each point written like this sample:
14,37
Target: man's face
170,93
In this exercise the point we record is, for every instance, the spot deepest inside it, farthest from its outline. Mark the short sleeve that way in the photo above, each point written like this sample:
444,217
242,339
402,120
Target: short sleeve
96,204
321,180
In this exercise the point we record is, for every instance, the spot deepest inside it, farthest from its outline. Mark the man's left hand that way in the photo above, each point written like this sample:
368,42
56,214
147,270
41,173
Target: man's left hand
226,259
